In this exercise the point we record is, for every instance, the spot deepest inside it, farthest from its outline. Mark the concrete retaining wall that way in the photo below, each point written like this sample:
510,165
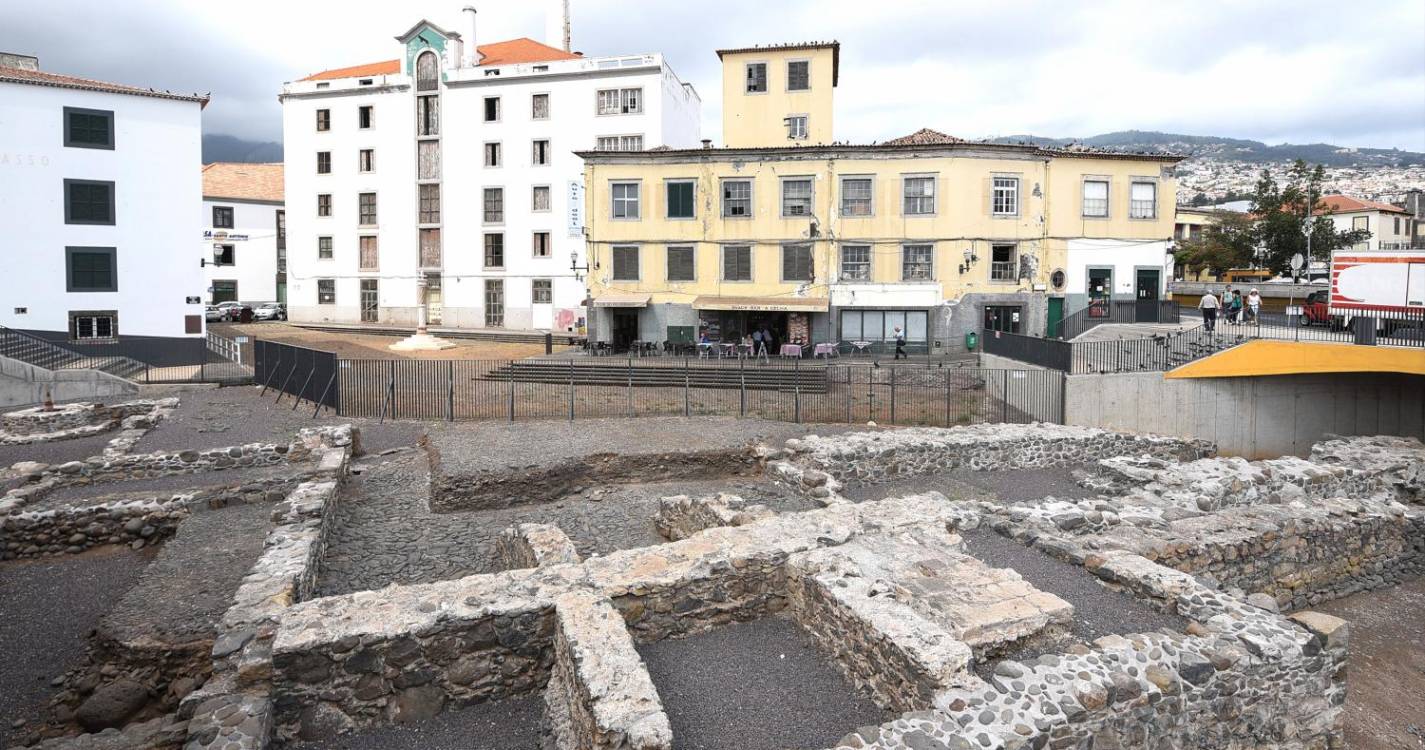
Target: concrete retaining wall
22,384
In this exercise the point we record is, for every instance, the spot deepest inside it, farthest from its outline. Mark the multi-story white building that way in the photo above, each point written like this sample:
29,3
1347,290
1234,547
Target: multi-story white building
245,244
1390,226
100,201
450,173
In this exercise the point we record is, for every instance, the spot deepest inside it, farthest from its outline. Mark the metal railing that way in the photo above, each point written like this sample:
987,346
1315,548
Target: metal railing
306,374
225,347
50,356
1117,311
1385,327
1050,353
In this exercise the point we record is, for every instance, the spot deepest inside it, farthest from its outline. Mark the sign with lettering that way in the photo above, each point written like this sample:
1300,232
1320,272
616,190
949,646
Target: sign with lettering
576,208
221,236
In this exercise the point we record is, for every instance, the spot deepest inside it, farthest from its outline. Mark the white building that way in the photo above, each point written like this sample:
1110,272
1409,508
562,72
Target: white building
1390,226
450,172
245,243
99,202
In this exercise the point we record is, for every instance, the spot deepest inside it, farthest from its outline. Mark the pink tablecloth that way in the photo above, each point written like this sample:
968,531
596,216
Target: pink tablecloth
791,350
826,349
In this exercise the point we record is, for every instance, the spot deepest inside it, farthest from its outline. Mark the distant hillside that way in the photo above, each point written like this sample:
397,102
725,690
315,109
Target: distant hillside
1233,149
230,148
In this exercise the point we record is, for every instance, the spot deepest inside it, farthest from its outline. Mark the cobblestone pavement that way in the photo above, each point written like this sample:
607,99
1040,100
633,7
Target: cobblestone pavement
1385,702
384,532
56,451
47,608
500,725
964,484
177,483
760,685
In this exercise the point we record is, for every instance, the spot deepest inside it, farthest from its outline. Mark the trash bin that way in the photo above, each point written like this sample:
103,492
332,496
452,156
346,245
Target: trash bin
1365,330
971,339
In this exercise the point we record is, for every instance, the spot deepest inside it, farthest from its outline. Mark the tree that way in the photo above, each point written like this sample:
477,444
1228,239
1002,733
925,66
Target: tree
1230,241
1284,215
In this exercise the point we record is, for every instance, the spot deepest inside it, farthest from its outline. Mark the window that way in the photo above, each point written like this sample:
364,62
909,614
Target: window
427,72
798,75
680,199
1002,263
324,204
539,153
430,205
494,303
324,120
542,291
370,300
796,197
492,154
1143,200
881,325
620,101
797,127
737,198
1096,198
492,109
224,290
539,198
90,269
494,209
324,162
366,209
429,240
756,78
428,160
796,263
625,200
1004,197
88,128
737,263
94,326
855,262
88,202
326,291
368,259
539,107
619,143
917,263
919,195
427,115
541,245
222,217
680,263
224,255
366,160
364,117
324,248
281,219
856,193
625,263
494,250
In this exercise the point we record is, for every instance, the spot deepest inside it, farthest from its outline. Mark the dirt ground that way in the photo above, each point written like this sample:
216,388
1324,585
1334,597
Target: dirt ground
1385,693
369,346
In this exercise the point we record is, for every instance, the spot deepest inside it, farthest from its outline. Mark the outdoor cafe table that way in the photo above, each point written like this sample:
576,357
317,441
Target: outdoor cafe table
827,349
791,350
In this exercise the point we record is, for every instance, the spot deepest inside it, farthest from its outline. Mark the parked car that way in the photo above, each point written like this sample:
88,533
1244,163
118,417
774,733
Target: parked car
1316,310
212,314
234,310
269,311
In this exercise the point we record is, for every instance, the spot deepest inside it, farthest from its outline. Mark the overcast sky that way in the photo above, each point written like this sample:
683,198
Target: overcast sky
1273,70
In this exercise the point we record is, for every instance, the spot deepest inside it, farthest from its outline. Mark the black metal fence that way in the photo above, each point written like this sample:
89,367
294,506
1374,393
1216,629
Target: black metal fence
1051,353
1118,311
195,364
307,374
1378,327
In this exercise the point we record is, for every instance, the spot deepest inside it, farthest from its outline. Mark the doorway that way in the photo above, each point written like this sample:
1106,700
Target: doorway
1056,316
1146,285
625,328
1006,318
434,299
1100,291
369,300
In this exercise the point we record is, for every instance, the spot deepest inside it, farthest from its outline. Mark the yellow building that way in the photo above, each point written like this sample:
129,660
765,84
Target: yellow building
836,243
779,95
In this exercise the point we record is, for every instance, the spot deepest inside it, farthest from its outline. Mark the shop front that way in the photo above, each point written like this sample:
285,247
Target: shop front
791,320
617,318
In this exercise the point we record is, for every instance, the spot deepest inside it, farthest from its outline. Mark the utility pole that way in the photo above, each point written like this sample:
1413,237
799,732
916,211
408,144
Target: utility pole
566,27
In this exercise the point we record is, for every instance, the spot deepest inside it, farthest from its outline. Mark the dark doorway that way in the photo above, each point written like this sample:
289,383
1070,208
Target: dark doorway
369,301
1146,292
1007,318
1100,291
625,329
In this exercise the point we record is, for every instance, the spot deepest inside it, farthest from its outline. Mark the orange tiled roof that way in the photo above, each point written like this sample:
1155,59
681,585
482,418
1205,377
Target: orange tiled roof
41,78
522,50
1346,204
923,137
235,181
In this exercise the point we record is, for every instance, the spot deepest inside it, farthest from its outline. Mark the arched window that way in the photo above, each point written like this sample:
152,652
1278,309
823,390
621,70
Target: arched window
427,72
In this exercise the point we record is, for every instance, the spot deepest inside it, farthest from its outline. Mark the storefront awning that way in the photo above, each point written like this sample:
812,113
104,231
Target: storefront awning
622,300
762,304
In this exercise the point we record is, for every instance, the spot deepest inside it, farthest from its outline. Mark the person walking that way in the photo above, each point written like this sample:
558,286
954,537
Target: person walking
900,345
1237,306
1254,306
1208,305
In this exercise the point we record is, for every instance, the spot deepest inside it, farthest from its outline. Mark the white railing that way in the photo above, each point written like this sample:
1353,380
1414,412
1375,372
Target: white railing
228,349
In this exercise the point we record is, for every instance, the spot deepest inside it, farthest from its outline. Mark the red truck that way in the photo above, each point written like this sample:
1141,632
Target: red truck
1389,286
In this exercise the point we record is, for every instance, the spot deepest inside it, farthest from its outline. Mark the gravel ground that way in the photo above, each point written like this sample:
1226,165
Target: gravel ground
220,417
1005,486
502,725
186,590
49,607
385,532
176,483
56,451
754,686
1385,702
1097,610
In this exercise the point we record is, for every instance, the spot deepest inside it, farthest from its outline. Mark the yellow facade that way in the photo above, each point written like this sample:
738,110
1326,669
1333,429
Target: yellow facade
961,225
752,118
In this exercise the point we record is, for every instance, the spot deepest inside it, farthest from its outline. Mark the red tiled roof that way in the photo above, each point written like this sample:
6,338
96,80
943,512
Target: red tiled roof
522,50
1346,204
237,181
922,137
41,78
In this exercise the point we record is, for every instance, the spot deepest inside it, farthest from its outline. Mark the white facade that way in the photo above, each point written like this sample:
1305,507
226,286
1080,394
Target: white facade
1390,230
1113,266
243,257
669,114
150,290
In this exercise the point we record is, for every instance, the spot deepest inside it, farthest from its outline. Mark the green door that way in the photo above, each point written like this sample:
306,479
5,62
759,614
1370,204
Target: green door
1056,316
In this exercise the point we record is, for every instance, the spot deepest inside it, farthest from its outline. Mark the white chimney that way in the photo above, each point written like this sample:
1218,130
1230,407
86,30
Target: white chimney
472,47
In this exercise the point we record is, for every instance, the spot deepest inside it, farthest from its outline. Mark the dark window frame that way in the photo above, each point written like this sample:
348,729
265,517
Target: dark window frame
231,254
324,162
541,291
331,283
219,211
793,255
111,252
112,315
619,271
68,203
365,117
324,120
691,262
734,254
494,250
362,212
69,141
692,198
